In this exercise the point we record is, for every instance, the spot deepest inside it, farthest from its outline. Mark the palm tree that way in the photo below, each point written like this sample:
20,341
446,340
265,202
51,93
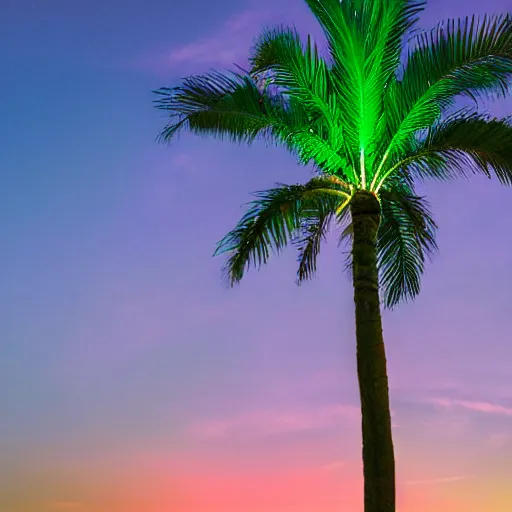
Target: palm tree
372,126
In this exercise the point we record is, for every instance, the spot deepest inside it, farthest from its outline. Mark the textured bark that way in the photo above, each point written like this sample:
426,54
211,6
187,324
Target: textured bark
378,456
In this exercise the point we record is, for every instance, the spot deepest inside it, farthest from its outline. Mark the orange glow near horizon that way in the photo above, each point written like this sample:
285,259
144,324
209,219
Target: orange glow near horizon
331,488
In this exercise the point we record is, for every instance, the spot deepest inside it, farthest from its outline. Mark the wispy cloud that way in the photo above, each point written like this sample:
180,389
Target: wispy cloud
334,466
227,43
445,480
224,46
483,407
498,440
275,422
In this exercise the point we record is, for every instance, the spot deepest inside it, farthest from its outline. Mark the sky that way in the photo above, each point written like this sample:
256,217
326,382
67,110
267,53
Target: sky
131,378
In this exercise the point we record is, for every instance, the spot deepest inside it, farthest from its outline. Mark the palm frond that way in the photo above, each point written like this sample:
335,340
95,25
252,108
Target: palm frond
311,147
463,144
465,57
406,237
223,104
296,67
315,226
303,76
469,56
236,106
274,219
365,42
313,232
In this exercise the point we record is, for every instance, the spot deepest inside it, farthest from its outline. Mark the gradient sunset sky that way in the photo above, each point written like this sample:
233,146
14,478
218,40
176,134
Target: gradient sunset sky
131,379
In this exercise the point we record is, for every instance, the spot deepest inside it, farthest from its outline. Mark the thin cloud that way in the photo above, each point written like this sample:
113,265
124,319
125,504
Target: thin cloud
445,480
265,423
228,43
223,47
498,440
334,466
483,407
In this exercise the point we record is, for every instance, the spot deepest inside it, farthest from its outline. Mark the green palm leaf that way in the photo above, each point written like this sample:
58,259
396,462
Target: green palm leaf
233,105
464,143
274,219
228,105
314,229
215,103
465,57
406,238
365,42
298,69
304,78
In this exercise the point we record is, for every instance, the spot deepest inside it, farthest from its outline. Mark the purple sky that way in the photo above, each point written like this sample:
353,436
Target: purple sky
123,356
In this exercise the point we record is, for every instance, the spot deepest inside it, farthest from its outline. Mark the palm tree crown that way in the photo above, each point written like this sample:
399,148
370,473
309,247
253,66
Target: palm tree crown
367,119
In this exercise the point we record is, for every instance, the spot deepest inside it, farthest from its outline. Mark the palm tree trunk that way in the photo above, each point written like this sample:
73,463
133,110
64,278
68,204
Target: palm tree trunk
378,456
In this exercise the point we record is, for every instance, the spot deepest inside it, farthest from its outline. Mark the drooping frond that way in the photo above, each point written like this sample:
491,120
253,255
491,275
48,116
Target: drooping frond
406,237
314,231
237,107
468,57
275,218
226,105
315,226
463,144
365,42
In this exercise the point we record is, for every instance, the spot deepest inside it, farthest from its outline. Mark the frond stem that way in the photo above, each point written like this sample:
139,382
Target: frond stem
363,170
343,205
379,169
328,191
394,168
